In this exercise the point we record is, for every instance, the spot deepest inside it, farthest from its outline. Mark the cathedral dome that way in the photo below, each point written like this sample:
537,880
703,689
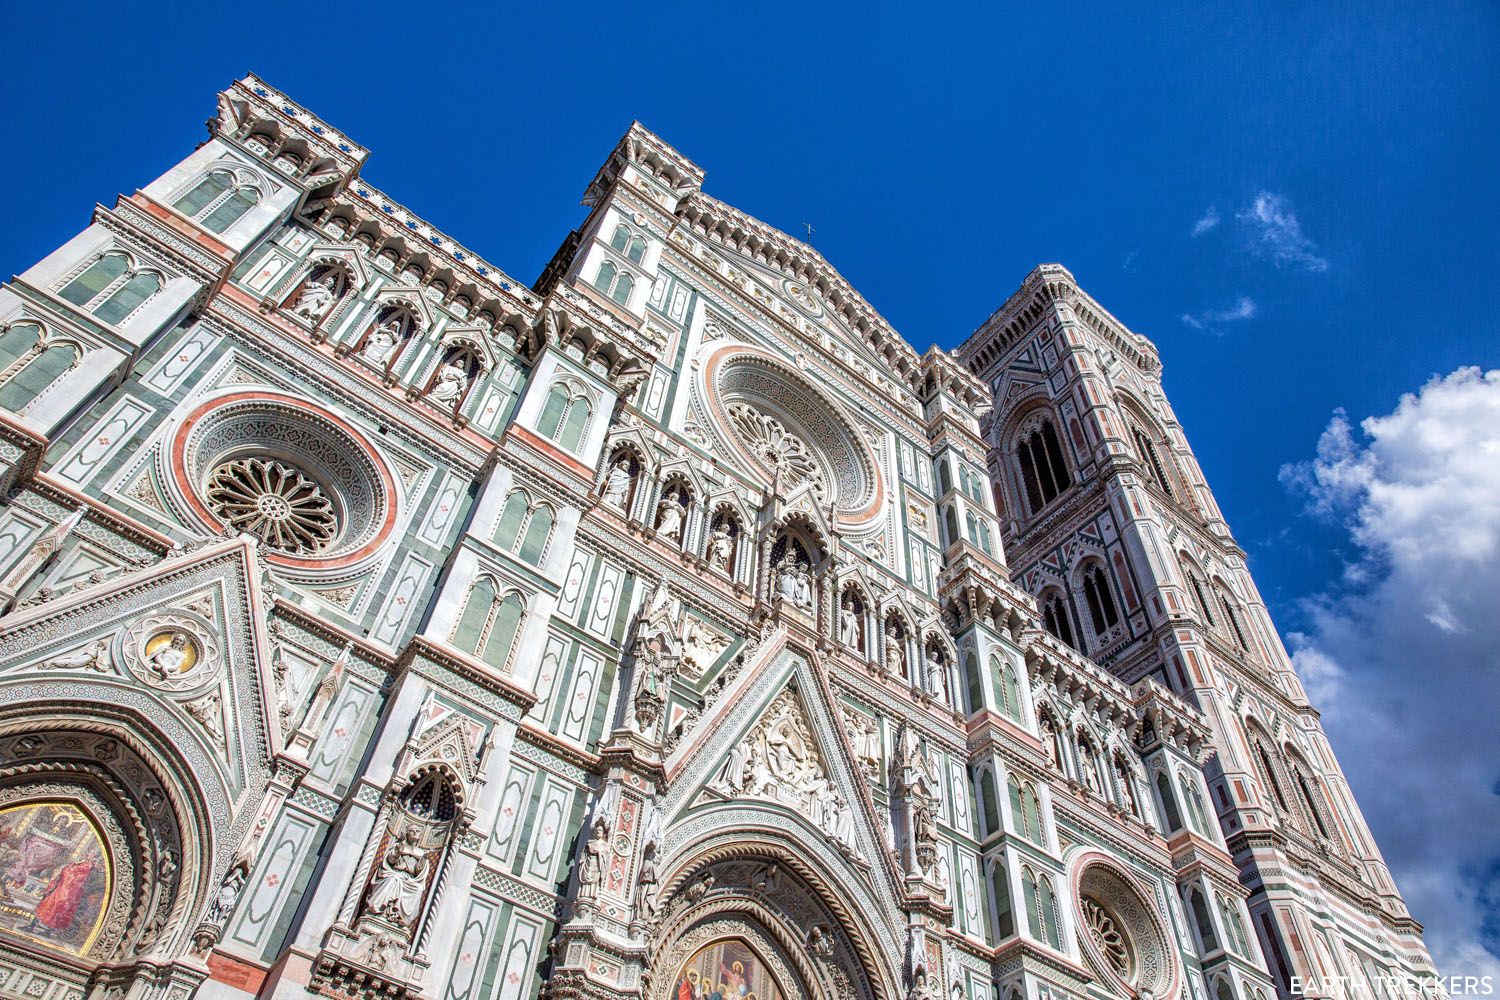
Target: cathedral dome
793,434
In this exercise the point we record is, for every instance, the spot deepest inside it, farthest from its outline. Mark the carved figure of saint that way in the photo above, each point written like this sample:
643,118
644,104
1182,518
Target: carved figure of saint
937,676
895,651
228,894
617,483
383,341
316,299
849,628
924,823
167,660
669,516
645,886
396,892
591,871
804,585
452,380
720,548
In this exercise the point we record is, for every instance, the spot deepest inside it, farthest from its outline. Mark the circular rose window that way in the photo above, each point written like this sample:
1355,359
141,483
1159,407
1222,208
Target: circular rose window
1122,935
276,502
293,475
791,432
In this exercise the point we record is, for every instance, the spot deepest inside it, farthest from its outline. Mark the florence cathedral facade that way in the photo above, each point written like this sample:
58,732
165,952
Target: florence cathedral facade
373,624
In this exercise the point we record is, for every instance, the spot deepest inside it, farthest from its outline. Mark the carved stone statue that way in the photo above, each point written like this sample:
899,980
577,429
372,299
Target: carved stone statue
383,341
795,583
397,890
645,886
669,516
167,660
849,628
895,651
316,298
720,548
701,646
838,822
94,656
617,483
452,381
591,869
228,894
921,989
937,676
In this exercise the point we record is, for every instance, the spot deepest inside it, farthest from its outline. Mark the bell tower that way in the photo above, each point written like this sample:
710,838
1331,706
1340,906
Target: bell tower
1109,523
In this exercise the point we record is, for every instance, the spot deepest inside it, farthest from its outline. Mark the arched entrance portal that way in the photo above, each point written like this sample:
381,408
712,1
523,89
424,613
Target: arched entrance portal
760,925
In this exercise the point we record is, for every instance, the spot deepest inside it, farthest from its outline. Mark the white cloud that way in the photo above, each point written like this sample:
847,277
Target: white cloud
1208,220
1275,234
1404,662
1209,319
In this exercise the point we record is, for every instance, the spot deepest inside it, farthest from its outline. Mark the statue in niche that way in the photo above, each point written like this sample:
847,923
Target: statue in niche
383,341
921,989
317,298
795,584
669,516
849,627
895,650
452,381
838,822
617,483
937,675
720,548
228,894
645,886
396,892
591,870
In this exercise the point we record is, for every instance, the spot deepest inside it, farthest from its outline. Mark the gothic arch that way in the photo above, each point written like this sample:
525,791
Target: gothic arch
758,883
145,874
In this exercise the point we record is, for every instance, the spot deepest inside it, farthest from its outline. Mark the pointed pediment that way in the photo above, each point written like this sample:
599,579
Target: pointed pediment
180,642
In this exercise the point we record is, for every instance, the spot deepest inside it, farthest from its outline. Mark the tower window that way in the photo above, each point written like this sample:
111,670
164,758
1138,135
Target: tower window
1044,473
1055,618
1101,602
1148,454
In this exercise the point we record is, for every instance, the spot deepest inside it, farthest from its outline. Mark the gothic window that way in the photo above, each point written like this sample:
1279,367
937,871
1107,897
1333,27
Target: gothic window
1311,795
1000,891
218,200
1268,773
1232,620
1025,810
1202,921
613,282
972,524
524,527
945,478
430,797
112,288
1198,596
1010,692
1041,907
1223,991
30,362
950,526
565,416
489,623
1152,461
1196,812
1171,817
1101,602
627,243
986,541
1234,928
989,808
1044,473
1056,619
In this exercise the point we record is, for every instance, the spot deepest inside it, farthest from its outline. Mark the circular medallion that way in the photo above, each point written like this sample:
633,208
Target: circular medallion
1124,936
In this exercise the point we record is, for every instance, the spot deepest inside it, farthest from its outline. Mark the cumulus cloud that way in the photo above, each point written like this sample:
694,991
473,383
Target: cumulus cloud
1273,232
1210,319
1208,220
1403,659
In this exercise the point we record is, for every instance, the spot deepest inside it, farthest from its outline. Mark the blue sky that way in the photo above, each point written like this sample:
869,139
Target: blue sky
1346,150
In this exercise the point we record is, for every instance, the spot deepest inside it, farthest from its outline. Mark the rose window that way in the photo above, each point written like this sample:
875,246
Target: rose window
778,449
276,502
1123,936
1108,937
